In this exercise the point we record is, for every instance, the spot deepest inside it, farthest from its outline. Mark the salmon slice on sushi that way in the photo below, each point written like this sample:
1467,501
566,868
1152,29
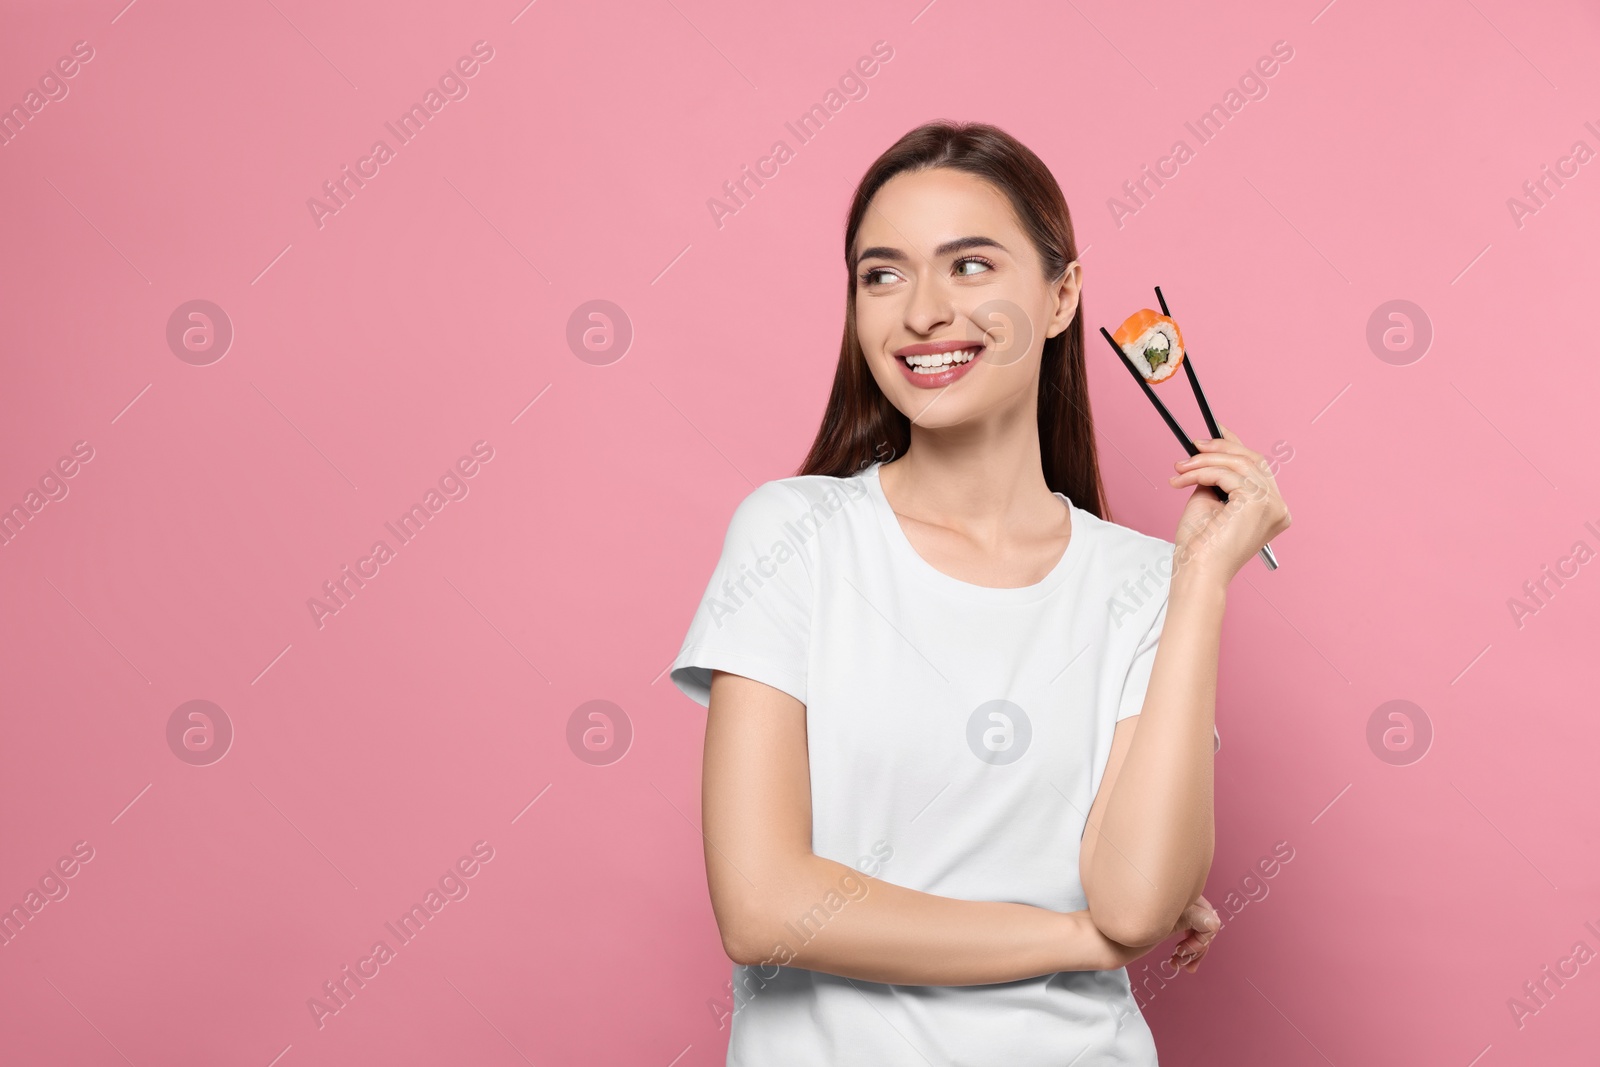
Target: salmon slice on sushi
1154,343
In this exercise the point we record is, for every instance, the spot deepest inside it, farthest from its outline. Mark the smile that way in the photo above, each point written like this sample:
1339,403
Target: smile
931,370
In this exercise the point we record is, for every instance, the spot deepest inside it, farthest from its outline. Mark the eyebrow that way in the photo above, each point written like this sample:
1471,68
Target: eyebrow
960,244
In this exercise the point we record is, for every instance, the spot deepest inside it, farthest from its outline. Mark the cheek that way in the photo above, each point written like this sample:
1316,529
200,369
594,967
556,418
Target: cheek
869,317
1014,323
872,329
885,371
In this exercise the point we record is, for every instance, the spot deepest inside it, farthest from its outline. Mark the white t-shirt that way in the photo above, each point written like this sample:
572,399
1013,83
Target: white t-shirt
957,735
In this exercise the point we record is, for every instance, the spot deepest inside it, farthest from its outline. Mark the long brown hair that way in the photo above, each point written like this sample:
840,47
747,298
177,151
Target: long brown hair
860,425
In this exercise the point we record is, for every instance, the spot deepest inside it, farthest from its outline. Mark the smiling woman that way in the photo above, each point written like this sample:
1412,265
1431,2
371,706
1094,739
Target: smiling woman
943,670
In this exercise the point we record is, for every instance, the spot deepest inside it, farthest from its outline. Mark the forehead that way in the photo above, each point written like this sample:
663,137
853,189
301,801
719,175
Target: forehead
922,209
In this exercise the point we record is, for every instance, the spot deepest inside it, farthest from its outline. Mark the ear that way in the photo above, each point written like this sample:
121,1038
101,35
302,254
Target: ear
1066,298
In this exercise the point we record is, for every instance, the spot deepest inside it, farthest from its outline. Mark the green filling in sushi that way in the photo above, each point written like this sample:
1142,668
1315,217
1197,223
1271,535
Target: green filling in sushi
1157,351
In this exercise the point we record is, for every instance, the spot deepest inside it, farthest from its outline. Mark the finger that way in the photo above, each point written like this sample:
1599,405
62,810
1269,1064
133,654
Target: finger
1223,478
1239,465
1196,926
1243,464
1229,441
1207,919
1195,916
1185,935
1230,445
1256,460
1202,919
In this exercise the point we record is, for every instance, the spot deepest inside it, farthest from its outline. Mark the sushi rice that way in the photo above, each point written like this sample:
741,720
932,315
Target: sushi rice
1153,342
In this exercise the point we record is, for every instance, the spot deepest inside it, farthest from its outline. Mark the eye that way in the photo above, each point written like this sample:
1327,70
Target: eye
986,264
868,277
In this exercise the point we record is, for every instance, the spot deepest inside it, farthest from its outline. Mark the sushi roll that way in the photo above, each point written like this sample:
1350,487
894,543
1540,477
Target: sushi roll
1153,342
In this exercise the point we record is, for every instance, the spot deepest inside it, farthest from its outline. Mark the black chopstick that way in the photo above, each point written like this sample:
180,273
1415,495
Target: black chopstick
1266,553
1183,438
1194,380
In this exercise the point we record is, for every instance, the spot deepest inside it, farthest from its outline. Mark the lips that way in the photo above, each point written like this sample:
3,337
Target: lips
934,364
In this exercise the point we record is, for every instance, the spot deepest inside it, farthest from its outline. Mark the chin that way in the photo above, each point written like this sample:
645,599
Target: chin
933,410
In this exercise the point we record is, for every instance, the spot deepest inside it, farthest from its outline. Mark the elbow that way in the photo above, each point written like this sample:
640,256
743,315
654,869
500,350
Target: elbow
1132,926
748,912
1128,918
754,935
737,946
741,929
734,948
1143,916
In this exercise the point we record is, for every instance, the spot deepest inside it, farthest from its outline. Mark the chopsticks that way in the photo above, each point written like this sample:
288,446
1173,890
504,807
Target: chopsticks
1267,556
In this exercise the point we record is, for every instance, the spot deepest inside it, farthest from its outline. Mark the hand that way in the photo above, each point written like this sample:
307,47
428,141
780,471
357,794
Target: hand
1196,923
1216,538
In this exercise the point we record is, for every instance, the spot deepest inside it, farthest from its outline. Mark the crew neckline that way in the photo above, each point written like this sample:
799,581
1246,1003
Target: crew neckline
931,575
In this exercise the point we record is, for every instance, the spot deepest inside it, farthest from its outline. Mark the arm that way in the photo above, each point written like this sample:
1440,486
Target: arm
776,902
1156,808
1153,813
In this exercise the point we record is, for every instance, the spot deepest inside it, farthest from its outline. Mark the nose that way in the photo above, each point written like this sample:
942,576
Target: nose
929,307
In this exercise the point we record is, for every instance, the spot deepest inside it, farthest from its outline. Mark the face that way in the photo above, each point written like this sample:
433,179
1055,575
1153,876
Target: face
946,272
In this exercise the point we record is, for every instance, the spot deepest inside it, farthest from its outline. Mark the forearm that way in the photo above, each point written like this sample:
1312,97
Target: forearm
1158,828
824,916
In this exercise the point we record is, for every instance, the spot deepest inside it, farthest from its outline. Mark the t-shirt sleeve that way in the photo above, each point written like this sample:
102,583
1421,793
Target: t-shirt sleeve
755,617
1144,661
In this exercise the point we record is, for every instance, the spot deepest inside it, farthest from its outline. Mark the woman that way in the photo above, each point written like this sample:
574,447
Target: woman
954,782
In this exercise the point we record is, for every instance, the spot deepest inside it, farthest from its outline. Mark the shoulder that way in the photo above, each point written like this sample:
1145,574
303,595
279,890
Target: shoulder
798,511
1124,543
804,501
1133,571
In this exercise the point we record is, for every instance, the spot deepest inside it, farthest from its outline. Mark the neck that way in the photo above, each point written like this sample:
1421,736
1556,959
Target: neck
982,479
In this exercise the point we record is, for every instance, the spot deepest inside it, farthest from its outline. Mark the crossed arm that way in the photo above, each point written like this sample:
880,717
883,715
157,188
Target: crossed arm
1144,856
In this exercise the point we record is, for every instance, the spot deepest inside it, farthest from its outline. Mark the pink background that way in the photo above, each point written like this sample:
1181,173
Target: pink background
369,353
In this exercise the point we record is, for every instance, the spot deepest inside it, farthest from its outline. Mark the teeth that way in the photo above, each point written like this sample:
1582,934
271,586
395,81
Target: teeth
933,363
